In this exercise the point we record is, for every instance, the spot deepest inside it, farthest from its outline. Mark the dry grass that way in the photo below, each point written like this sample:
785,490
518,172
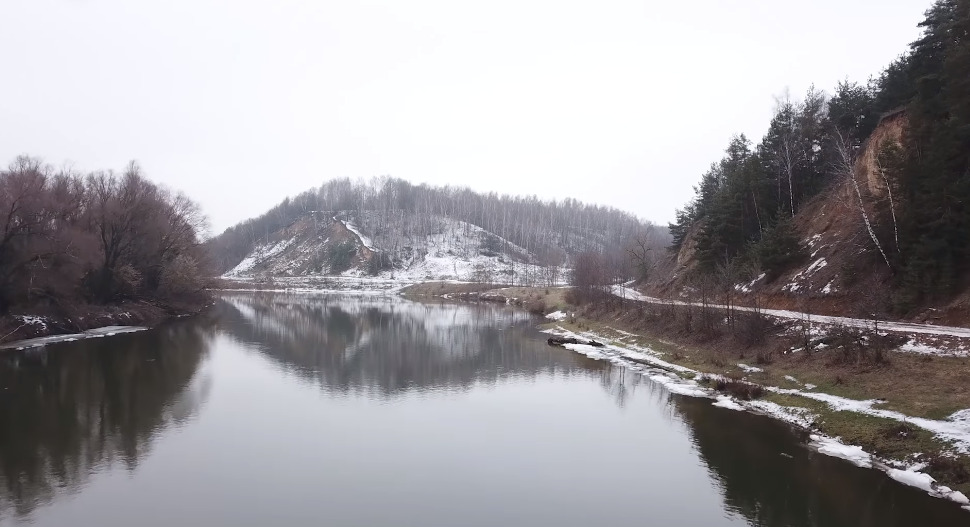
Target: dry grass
437,289
537,300
917,385
550,298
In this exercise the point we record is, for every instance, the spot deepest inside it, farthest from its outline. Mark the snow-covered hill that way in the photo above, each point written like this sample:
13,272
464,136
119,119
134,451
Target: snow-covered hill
403,246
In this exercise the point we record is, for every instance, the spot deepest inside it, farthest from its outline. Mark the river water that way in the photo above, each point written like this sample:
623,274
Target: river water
278,409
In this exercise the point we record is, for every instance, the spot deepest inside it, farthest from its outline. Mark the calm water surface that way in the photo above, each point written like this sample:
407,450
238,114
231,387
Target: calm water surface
276,409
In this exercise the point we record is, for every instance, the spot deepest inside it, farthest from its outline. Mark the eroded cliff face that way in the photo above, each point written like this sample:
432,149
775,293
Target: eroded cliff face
842,271
890,129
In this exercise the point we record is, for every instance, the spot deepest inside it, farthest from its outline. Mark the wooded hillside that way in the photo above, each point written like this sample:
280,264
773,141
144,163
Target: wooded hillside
550,231
916,225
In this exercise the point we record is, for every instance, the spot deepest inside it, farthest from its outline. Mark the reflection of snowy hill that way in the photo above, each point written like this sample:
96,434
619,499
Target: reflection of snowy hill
388,344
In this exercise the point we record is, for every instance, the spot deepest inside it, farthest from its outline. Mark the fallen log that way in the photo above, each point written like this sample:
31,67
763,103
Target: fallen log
562,341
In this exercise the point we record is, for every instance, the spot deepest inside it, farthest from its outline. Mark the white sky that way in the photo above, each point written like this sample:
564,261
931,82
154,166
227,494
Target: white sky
241,103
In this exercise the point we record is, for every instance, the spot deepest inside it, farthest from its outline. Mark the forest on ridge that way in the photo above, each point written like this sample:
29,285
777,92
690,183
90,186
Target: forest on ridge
740,220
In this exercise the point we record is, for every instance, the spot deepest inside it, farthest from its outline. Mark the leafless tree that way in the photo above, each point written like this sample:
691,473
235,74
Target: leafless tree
845,170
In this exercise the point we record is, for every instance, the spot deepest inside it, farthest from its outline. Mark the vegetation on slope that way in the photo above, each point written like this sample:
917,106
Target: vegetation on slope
552,231
740,220
100,239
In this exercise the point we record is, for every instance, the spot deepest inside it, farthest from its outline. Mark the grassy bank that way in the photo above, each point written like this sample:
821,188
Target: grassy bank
783,354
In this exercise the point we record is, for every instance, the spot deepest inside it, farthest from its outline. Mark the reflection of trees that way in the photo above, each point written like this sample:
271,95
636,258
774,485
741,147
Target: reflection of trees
390,345
744,454
78,407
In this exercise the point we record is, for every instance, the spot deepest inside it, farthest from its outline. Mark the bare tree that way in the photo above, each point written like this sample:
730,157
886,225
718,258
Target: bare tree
845,170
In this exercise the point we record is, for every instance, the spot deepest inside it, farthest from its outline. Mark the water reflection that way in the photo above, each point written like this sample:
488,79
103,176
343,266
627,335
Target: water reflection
432,414
769,476
76,408
388,346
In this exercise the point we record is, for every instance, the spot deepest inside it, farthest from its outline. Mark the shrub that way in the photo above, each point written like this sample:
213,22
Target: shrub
180,277
752,328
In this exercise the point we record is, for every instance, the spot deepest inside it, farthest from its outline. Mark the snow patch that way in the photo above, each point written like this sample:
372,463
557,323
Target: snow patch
750,369
926,482
828,289
368,243
106,331
835,448
914,346
724,401
557,316
807,273
746,288
259,254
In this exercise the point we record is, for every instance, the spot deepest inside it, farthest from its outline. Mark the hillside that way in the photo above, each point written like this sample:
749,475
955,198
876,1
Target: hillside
335,244
839,269
853,203
394,230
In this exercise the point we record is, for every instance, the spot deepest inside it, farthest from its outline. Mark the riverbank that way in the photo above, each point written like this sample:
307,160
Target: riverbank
84,319
879,398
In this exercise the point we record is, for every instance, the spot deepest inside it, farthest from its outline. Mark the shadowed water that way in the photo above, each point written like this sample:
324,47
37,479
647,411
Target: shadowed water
325,410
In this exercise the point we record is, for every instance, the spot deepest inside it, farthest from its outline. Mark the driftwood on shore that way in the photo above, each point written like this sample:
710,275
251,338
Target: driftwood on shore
561,341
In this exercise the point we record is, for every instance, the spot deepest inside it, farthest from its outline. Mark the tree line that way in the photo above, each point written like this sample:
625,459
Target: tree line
68,238
741,214
551,231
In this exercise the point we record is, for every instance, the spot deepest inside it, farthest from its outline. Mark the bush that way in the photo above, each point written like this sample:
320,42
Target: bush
752,328
180,277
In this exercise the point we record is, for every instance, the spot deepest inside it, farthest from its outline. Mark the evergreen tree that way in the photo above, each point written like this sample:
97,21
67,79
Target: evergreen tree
935,182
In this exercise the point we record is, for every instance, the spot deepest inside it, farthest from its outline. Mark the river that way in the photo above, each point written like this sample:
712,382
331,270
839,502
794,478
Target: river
300,409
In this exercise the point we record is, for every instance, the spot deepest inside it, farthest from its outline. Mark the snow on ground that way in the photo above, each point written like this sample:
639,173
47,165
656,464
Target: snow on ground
835,448
955,429
750,369
795,284
260,253
883,325
724,401
30,320
942,349
362,285
106,331
357,232
557,316
926,482
746,288
457,250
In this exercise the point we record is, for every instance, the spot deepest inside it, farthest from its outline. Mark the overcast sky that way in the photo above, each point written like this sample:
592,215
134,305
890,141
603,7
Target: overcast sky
241,103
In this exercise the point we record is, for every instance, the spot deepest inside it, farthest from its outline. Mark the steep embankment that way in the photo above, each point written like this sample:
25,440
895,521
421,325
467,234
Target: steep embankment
842,271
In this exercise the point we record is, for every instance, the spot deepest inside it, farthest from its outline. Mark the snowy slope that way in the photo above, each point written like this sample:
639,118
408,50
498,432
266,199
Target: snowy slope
409,247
